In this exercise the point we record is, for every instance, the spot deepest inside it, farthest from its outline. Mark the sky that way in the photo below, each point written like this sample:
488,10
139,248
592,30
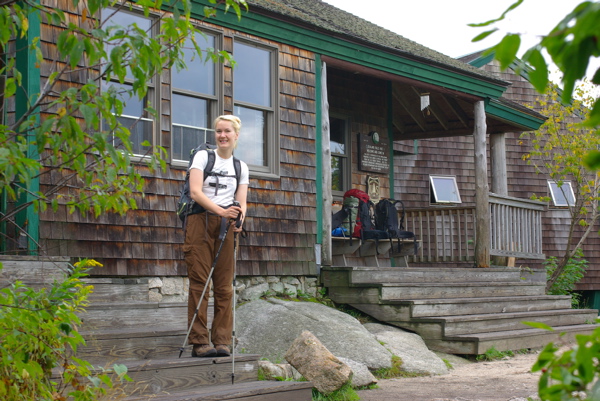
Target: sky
442,24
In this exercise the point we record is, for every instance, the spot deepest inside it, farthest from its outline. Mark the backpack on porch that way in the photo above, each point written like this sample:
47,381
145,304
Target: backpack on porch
361,214
186,205
388,219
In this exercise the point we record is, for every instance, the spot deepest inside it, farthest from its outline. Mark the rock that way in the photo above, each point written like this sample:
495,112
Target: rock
154,282
254,292
361,375
154,295
310,357
269,327
172,286
410,347
274,371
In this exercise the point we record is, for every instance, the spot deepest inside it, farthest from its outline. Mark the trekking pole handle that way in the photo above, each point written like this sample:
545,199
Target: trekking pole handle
238,220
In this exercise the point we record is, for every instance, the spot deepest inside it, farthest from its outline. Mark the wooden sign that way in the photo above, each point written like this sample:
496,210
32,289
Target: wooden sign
373,156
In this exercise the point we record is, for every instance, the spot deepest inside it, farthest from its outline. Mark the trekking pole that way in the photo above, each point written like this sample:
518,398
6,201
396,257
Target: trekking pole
238,224
212,269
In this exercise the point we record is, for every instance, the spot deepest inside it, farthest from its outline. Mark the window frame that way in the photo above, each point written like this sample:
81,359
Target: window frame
346,178
152,98
433,193
562,193
214,101
272,168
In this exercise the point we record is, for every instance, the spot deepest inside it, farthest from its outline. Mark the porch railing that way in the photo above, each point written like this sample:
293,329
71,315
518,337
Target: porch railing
447,234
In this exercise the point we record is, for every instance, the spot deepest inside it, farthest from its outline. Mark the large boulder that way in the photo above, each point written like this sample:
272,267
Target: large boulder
410,347
326,372
269,327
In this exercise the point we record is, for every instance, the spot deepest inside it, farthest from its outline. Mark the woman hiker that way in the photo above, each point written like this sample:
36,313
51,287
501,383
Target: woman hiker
216,194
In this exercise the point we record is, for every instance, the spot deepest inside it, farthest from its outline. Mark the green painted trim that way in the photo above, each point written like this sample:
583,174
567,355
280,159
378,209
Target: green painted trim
26,64
382,60
319,142
482,60
513,116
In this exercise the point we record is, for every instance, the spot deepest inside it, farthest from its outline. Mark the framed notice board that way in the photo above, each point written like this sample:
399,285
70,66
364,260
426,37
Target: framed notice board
373,155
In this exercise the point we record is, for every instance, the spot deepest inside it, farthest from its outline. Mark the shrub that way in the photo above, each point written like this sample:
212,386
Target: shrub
572,273
38,333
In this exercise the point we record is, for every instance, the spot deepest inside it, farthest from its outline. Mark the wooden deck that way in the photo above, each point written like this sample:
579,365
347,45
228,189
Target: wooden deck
461,310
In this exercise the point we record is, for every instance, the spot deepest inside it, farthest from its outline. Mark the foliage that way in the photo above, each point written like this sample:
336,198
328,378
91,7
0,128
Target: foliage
71,132
345,393
572,273
492,354
557,149
570,45
38,333
573,374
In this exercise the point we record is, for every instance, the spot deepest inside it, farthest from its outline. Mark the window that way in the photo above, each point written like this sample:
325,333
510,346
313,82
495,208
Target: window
339,144
193,100
562,195
255,95
134,117
443,189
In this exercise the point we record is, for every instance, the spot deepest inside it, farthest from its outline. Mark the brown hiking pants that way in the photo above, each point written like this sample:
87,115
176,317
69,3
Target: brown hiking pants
200,248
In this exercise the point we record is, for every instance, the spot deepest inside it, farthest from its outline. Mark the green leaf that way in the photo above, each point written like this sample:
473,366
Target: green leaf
538,76
483,35
538,325
510,8
506,50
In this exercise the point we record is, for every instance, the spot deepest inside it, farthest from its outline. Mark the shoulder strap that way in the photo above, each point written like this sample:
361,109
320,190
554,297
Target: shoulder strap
237,165
210,163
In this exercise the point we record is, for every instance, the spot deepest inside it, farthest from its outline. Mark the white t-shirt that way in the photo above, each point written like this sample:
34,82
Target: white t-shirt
224,186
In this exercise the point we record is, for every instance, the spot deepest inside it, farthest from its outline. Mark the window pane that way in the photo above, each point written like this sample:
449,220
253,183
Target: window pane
252,75
337,136
337,173
188,110
122,19
445,189
132,107
190,125
141,130
563,195
252,142
199,76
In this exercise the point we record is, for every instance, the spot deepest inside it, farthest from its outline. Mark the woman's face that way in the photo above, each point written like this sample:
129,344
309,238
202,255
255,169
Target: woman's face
225,135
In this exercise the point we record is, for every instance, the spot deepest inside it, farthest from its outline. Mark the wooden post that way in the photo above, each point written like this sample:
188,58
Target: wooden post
499,178
482,214
326,258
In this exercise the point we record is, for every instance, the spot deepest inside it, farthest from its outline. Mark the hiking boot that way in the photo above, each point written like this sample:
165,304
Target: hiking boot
222,350
203,351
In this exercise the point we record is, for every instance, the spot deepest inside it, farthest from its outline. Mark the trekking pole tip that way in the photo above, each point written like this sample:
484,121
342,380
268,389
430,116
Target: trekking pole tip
232,378
180,351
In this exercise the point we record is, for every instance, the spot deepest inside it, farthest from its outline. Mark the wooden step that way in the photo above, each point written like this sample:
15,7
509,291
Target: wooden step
251,391
117,289
512,340
33,271
443,327
131,343
361,276
469,306
459,290
165,376
420,308
127,314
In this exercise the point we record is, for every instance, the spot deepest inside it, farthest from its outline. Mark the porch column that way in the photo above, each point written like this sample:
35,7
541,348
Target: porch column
499,179
326,258
482,214
498,163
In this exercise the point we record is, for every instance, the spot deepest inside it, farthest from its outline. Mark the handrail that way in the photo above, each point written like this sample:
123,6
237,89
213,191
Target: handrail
448,233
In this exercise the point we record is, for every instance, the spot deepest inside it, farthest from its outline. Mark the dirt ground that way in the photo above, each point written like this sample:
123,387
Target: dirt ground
502,380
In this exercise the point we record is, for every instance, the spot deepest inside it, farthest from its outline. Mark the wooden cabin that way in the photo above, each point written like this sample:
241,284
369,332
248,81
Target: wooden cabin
328,89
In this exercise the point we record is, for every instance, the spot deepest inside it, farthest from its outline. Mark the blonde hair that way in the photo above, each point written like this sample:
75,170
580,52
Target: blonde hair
235,122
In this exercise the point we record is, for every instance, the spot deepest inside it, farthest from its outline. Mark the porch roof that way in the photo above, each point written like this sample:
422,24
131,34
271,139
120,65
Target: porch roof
413,68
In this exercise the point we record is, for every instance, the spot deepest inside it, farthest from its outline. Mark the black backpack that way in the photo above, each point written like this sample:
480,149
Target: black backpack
386,219
186,205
